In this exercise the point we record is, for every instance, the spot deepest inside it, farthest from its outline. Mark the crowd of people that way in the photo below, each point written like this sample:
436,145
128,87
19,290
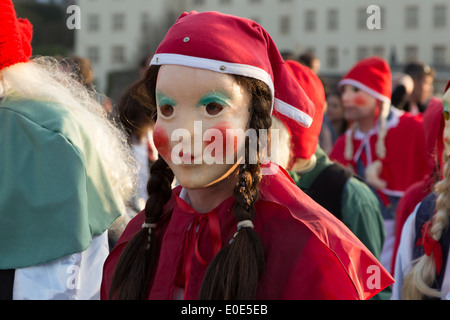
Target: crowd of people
98,201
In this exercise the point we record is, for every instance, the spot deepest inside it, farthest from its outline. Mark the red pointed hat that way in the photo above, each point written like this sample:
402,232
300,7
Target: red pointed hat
234,45
304,141
15,36
372,75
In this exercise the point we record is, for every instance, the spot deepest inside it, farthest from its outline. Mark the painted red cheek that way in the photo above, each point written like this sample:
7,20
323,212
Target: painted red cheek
360,101
227,137
161,141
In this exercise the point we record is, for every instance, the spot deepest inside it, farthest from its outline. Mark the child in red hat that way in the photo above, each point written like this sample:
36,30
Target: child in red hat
384,145
239,229
65,175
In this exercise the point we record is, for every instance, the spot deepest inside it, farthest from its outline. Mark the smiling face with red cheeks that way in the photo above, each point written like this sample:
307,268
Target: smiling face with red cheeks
358,105
192,101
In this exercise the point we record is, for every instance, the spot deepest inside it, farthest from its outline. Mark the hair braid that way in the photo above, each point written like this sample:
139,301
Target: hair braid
134,269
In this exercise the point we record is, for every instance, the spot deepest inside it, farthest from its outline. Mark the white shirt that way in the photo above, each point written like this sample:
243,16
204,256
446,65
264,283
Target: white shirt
74,277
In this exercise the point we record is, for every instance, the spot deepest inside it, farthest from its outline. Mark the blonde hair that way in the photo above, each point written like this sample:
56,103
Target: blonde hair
417,283
42,79
284,147
284,157
380,148
348,151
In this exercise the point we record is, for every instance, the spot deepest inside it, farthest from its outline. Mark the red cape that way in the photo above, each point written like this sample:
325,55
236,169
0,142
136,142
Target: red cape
309,253
406,159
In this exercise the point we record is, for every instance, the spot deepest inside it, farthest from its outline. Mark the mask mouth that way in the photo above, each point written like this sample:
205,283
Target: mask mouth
186,158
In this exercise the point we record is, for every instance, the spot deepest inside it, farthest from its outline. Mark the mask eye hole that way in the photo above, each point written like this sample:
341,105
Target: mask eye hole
166,110
213,108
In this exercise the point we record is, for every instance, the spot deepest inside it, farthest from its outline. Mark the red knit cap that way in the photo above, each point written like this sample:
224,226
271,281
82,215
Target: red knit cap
234,45
304,141
15,36
372,75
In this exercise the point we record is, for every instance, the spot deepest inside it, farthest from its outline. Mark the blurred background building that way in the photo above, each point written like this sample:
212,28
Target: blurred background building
116,34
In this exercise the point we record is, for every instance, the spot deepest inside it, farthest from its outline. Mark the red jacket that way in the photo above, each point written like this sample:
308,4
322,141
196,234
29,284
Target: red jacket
309,253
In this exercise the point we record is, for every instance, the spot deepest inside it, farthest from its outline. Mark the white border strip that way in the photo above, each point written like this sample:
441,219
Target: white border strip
214,65
393,193
293,113
365,88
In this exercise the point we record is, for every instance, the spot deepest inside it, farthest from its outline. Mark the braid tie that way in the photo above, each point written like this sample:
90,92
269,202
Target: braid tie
245,224
240,225
150,226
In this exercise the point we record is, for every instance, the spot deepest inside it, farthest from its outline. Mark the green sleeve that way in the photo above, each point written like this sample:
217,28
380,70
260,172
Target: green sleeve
361,214
54,192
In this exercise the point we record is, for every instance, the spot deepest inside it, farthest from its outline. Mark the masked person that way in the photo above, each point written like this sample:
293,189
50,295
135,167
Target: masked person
384,145
422,267
231,229
65,171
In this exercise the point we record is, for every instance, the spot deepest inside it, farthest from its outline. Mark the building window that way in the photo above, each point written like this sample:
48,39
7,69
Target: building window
118,55
379,51
439,56
332,19
411,17
332,57
361,19
93,54
440,16
118,21
93,22
361,53
285,25
411,53
310,20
